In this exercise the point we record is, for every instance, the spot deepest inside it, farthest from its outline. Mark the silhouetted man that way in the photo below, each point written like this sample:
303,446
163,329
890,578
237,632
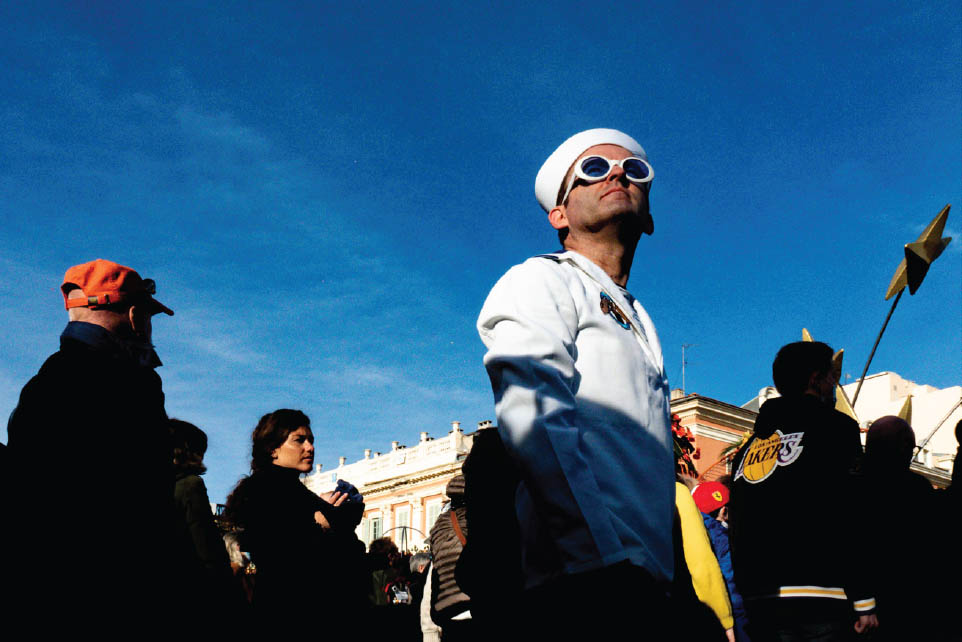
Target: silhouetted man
90,447
794,513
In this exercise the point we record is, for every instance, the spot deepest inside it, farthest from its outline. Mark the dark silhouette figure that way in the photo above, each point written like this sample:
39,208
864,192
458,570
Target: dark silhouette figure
92,547
901,508
205,585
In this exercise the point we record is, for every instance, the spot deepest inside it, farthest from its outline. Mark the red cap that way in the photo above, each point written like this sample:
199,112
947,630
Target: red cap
105,283
710,496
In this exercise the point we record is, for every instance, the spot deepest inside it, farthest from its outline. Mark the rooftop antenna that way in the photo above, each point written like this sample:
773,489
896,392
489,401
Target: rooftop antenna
683,364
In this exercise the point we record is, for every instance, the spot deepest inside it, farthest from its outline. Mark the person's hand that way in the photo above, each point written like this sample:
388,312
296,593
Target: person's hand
866,623
730,634
320,519
335,498
723,514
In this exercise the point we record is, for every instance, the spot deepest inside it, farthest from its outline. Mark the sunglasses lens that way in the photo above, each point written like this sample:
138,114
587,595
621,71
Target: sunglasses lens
595,166
636,170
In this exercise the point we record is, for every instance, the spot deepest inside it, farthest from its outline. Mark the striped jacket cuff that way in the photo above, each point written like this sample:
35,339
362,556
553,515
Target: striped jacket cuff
830,592
813,591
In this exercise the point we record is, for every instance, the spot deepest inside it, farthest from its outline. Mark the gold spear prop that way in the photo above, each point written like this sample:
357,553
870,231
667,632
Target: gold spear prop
910,272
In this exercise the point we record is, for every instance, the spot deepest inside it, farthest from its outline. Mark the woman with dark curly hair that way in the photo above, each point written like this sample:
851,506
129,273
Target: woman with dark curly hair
303,546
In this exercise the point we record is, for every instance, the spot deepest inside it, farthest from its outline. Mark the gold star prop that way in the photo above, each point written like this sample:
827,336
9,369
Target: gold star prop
910,272
906,411
919,256
843,405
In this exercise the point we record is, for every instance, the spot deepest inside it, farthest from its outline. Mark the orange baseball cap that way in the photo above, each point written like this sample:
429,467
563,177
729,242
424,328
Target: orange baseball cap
105,283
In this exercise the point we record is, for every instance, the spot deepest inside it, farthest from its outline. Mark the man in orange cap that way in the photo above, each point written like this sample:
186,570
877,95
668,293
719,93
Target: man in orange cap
89,444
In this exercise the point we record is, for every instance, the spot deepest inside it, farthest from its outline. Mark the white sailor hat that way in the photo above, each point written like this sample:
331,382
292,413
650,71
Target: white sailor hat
552,173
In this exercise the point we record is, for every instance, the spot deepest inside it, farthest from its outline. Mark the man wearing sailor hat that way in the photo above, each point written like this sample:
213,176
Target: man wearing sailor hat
581,399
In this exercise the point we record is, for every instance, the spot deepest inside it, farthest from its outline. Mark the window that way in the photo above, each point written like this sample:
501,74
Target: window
403,522
376,529
432,510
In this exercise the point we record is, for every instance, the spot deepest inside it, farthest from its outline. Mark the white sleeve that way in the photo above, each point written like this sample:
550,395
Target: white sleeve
429,630
529,324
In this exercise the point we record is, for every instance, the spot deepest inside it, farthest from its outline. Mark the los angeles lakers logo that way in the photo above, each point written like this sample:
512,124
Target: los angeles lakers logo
765,455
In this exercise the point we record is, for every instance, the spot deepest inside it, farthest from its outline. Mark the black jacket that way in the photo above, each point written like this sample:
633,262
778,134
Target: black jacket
89,447
210,595
795,518
298,562
206,552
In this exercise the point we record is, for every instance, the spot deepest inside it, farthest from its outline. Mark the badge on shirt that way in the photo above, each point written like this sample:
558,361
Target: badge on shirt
611,309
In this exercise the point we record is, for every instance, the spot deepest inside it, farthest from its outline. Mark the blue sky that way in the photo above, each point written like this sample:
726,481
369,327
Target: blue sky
325,192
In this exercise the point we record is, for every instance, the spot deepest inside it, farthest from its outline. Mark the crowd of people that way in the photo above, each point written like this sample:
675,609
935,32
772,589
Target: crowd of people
580,515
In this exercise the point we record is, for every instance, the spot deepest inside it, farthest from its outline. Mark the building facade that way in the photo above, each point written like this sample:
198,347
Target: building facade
717,427
932,413
403,487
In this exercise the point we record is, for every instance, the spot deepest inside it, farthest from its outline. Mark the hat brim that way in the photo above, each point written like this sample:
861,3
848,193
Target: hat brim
157,307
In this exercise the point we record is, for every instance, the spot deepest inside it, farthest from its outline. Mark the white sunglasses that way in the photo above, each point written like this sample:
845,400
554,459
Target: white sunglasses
592,169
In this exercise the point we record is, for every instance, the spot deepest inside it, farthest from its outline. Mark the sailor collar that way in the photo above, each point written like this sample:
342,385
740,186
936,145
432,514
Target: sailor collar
617,301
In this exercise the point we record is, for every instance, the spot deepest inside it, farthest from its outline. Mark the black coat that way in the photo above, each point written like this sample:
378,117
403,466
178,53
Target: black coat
902,508
197,532
298,562
91,460
209,593
794,512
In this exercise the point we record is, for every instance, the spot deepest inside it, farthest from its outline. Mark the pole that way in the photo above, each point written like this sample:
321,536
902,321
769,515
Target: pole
877,339
925,441
683,363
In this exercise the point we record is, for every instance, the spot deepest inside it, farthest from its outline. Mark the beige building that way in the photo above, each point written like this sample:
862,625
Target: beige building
403,487
933,414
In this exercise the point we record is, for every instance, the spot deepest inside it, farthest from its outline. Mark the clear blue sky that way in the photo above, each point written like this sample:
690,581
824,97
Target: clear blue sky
325,192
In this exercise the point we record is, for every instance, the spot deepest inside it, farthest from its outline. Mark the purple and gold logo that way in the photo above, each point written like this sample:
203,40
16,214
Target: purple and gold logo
765,455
